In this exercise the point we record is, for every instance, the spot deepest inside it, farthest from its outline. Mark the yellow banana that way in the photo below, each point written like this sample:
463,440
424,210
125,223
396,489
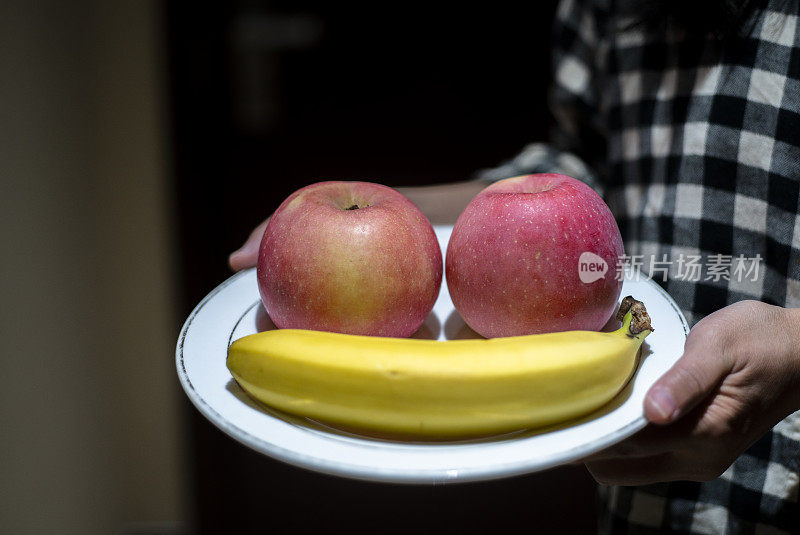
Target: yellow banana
428,388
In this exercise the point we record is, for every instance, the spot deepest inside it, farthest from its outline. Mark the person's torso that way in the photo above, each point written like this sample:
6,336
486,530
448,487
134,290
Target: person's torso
702,164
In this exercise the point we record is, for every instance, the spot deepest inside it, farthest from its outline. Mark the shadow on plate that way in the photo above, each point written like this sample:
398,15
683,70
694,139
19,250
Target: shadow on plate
263,322
430,328
455,328
233,387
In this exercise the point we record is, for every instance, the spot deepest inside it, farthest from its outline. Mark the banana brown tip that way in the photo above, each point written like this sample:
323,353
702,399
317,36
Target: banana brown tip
640,320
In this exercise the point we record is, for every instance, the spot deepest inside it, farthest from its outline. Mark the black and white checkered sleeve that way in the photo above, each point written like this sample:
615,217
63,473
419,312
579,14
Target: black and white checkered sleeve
575,148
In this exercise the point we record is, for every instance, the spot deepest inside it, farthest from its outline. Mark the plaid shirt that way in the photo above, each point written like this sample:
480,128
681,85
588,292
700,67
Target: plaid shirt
695,145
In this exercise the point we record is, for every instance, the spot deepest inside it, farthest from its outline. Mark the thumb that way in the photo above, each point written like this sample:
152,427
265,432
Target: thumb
696,374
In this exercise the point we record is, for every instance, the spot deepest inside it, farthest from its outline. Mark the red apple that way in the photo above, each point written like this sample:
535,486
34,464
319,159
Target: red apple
349,257
513,258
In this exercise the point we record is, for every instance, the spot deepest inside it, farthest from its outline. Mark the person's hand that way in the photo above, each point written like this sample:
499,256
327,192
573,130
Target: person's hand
246,256
739,376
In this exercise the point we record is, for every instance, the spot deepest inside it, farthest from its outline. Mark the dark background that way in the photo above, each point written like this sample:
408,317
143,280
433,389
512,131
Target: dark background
266,97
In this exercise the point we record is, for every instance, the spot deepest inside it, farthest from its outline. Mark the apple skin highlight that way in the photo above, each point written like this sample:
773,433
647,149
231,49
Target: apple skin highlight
512,259
349,257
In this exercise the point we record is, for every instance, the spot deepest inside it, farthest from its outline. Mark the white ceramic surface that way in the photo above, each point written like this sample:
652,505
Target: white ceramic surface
234,310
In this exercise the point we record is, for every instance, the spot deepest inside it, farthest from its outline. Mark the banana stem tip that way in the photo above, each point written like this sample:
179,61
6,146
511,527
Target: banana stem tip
640,319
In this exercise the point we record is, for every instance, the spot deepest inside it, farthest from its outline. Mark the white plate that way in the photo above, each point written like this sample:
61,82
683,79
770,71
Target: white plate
233,310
